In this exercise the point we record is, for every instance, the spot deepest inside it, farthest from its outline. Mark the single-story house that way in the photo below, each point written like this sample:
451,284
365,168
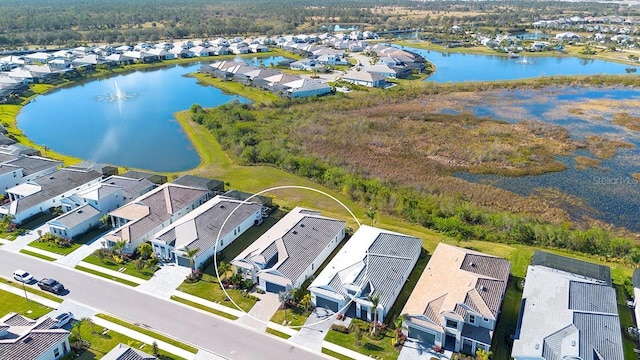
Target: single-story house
307,87
41,194
290,251
200,51
215,186
456,302
24,339
364,78
180,52
23,169
569,310
141,218
373,263
75,222
200,228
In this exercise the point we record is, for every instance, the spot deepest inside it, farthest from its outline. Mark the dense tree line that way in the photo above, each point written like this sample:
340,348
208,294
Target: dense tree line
69,22
254,141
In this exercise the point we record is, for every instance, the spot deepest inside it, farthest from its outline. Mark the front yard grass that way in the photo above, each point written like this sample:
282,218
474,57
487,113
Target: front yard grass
56,249
335,354
151,333
296,317
278,333
13,303
129,267
102,344
378,349
508,321
209,288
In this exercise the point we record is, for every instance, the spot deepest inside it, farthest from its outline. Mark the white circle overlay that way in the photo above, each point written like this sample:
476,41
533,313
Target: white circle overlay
247,201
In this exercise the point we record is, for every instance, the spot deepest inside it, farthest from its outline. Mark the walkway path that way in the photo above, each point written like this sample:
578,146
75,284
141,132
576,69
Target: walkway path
23,240
80,253
312,334
261,312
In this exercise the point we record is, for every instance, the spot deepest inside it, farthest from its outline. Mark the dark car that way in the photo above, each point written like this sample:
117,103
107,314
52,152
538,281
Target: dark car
51,285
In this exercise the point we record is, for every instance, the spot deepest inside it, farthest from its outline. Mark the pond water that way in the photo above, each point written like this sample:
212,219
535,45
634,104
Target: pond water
456,67
125,120
609,191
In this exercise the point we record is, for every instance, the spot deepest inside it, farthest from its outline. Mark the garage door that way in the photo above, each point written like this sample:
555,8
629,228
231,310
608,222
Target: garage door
275,288
326,303
424,337
183,261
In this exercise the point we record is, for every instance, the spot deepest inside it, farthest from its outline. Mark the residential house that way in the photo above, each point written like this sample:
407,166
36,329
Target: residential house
364,78
138,220
568,36
24,339
39,195
239,48
179,52
141,56
569,310
125,352
161,53
215,186
119,59
373,263
17,150
154,178
220,218
290,251
17,171
307,87
304,64
456,303
388,71
200,51
84,209
258,48
38,58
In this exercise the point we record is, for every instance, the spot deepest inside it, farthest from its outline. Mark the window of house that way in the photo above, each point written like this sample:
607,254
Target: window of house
452,324
221,242
486,320
56,352
472,319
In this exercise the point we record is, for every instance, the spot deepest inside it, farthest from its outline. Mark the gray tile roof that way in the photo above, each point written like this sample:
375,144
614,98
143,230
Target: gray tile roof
6,168
592,298
16,319
477,333
552,346
574,266
599,333
131,188
6,157
28,339
199,182
55,184
77,216
305,241
34,164
124,352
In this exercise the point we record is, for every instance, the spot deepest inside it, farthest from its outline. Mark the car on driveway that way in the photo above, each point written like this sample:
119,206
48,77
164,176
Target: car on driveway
23,276
62,319
51,285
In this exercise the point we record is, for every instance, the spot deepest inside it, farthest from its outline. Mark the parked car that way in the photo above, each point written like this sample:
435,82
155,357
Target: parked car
23,276
51,285
62,319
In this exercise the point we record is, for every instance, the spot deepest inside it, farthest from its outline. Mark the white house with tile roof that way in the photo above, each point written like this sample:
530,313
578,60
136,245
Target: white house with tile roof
17,171
290,251
457,300
374,262
24,339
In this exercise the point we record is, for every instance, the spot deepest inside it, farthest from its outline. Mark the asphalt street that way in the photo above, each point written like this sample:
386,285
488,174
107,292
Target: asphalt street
216,335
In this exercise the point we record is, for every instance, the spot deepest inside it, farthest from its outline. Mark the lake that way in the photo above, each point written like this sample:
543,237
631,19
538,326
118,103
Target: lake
457,67
136,129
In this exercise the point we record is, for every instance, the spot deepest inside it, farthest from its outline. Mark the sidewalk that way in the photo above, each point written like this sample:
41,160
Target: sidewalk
312,334
198,300
23,240
75,257
260,314
113,273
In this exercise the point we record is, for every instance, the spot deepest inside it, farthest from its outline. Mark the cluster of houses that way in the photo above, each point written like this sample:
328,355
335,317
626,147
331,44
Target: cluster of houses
22,338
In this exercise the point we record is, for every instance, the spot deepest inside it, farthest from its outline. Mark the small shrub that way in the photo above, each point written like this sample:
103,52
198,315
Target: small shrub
340,328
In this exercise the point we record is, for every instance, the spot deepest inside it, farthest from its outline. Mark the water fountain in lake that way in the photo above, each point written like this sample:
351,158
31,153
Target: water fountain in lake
524,61
117,94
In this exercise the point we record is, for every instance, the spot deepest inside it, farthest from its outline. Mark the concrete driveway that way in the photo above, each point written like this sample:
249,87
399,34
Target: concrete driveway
315,329
261,312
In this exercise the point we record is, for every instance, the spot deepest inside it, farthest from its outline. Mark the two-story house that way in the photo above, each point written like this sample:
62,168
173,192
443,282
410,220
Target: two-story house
456,302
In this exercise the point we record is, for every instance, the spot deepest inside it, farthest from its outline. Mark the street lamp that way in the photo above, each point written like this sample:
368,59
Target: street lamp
25,291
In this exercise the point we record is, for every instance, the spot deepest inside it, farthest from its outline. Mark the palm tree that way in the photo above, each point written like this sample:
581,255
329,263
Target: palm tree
306,301
191,254
284,297
375,300
145,249
399,322
371,214
119,246
223,269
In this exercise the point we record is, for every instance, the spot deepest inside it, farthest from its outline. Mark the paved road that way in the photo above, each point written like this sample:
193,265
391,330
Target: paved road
220,336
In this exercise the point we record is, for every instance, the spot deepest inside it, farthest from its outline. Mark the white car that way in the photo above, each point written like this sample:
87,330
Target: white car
62,319
23,276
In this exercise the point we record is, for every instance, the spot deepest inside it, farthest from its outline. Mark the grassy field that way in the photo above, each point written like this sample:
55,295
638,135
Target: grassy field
209,288
295,317
205,308
13,303
278,333
153,334
38,255
254,94
378,349
81,240
335,354
32,289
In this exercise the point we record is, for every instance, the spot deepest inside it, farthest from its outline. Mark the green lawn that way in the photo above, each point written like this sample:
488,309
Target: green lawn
38,255
256,95
209,288
153,334
335,354
205,308
129,268
106,276
380,349
278,333
79,241
508,321
32,290
13,303
102,344
296,317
